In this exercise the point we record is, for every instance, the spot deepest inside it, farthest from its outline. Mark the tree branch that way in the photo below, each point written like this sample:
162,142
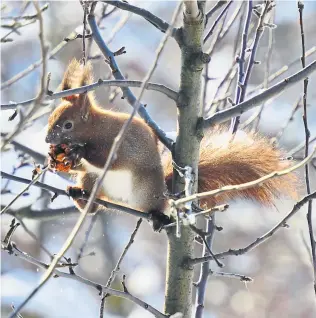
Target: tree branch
57,191
13,250
307,136
119,76
260,239
204,270
151,18
239,109
118,264
216,7
91,87
241,87
210,32
72,36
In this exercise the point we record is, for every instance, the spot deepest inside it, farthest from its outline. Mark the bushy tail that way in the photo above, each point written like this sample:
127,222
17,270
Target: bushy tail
247,158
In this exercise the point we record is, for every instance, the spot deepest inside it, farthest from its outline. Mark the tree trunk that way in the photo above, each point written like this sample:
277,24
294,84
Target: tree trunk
178,296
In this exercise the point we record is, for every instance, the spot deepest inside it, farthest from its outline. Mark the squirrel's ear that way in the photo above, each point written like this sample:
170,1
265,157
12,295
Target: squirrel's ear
85,105
87,75
86,100
72,76
78,75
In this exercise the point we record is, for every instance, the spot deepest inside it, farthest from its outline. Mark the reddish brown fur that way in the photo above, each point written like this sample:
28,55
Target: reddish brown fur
222,163
138,152
245,159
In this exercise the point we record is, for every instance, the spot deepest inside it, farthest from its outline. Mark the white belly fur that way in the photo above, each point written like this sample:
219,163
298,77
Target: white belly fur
117,184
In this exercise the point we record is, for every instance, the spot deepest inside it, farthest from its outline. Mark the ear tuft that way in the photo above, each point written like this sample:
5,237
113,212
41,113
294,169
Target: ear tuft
87,75
72,75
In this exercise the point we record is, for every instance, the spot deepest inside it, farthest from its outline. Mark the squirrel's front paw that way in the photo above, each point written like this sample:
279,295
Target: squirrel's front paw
75,192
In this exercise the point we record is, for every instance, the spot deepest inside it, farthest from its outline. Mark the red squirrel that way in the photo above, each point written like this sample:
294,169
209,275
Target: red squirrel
138,178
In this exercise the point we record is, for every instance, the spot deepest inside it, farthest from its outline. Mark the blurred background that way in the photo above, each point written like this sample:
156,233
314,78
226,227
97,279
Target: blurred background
281,268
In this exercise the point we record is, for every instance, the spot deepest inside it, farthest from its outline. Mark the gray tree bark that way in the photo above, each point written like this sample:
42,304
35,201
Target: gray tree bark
179,285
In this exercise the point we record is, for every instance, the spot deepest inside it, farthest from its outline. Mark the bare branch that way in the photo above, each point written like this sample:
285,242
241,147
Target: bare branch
210,32
72,36
239,109
178,294
43,214
40,96
204,271
241,62
24,190
154,20
260,239
57,191
301,146
307,136
282,70
113,292
216,7
242,278
87,88
118,264
258,34
119,76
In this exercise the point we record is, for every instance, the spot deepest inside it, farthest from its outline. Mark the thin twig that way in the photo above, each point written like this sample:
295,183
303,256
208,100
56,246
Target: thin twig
26,17
23,191
72,36
242,278
267,68
42,91
34,237
296,106
282,70
13,250
241,61
204,271
260,239
307,136
231,21
85,6
154,20
300,147
87,88
85,196
251,63
210,32
216,7
117,266
119,76
224,115
84,243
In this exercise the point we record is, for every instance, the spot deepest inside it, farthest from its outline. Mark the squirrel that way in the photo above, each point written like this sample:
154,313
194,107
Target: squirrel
139,178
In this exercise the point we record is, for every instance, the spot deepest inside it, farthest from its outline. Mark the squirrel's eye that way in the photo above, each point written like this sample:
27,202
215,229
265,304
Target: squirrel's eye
68,125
